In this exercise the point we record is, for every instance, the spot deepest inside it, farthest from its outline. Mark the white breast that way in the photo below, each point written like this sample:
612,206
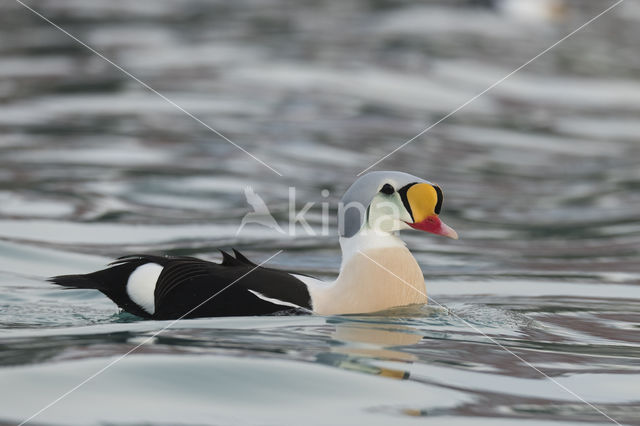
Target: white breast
377,273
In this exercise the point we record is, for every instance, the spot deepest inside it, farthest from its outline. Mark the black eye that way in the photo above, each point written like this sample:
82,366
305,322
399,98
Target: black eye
440,197
387,189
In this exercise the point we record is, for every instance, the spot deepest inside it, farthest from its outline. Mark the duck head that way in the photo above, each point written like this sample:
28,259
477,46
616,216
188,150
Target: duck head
387,202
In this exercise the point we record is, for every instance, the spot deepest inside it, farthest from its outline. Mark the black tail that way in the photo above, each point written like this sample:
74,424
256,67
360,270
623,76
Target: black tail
109,280
76,281
112,282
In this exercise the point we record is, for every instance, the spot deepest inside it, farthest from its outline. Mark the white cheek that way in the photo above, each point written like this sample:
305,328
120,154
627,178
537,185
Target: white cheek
388,214
405,217
141,285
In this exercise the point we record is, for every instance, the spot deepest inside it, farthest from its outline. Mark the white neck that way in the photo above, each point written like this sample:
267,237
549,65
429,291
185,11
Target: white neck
378,272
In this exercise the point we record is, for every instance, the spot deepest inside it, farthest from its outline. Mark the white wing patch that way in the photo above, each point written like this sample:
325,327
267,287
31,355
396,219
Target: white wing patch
141,285
274,301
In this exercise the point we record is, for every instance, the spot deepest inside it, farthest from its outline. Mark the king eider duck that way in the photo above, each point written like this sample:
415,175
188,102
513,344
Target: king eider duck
377,272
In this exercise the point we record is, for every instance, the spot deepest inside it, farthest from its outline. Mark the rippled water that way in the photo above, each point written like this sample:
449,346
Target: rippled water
540,298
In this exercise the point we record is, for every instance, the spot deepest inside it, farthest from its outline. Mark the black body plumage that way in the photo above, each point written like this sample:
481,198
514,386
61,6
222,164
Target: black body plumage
186,282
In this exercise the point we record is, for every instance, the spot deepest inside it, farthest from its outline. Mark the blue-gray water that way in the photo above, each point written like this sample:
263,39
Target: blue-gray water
541,180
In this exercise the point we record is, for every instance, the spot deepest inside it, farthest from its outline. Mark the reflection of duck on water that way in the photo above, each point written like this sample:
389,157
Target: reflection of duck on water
526,10
351,363
364,342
